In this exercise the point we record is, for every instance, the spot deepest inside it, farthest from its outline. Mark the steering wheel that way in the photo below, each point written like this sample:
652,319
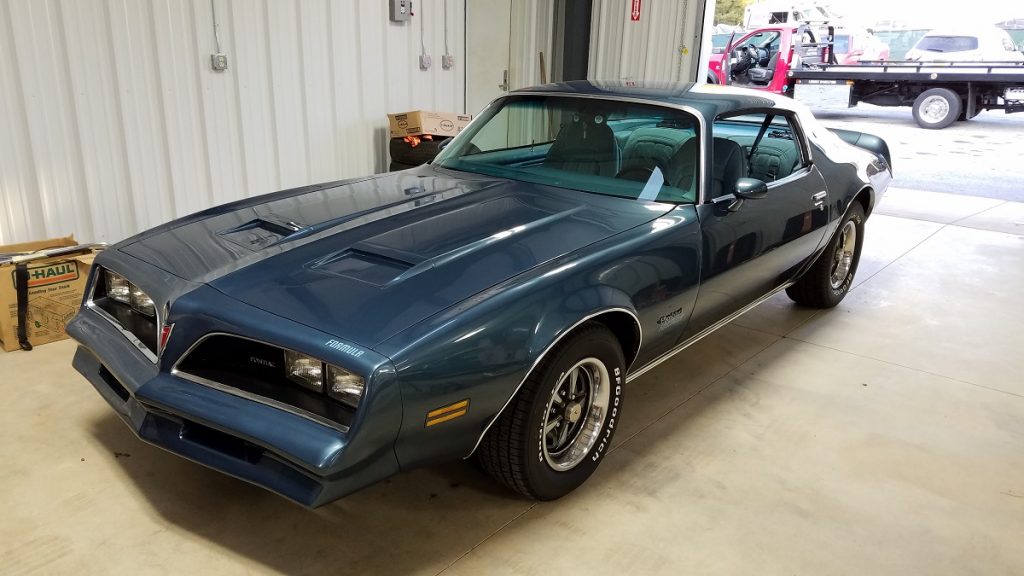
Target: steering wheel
743,59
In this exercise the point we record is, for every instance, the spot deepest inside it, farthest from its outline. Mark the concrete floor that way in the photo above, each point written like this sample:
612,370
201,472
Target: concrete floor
885,436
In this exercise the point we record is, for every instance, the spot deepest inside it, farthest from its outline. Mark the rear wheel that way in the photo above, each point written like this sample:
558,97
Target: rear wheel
827,281
937,108
553,435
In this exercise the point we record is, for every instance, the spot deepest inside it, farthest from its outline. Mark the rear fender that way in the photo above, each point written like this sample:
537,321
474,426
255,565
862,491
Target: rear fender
865,141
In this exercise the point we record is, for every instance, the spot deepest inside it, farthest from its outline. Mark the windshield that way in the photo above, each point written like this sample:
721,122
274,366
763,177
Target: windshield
841,44
948,43
594,145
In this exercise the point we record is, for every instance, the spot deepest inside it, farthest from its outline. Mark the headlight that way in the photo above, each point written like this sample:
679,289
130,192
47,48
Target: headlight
318,376
117,287
141,302
305,371
345,386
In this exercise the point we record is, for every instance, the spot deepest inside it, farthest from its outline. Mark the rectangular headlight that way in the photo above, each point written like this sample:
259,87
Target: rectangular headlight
305,371
117,287
344,386
141,302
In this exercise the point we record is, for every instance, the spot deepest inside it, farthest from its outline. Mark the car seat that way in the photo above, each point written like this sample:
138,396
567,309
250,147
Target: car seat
646,148
773,162
585,144
729,165
764,75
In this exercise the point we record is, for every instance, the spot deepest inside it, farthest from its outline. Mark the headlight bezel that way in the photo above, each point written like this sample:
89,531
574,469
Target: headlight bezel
128,308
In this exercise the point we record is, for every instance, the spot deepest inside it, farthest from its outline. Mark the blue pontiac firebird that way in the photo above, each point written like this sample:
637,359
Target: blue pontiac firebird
497,302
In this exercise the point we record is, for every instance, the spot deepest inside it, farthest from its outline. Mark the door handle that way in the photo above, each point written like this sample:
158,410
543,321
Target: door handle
819,199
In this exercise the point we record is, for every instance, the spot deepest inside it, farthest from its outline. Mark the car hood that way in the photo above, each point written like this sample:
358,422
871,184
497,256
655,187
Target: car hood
363,260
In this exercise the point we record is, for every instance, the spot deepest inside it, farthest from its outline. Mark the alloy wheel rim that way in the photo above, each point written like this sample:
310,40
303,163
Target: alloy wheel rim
934,109
842,260
575,414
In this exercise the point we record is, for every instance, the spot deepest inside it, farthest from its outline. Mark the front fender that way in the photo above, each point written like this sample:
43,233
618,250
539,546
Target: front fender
485,356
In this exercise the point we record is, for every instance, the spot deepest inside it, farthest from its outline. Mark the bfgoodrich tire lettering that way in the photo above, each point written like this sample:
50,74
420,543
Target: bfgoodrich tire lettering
827,281
558,428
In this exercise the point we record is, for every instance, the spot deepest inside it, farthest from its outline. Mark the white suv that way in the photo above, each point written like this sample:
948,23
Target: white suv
983,44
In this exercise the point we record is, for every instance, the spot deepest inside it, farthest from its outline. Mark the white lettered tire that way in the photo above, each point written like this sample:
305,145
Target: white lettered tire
560,425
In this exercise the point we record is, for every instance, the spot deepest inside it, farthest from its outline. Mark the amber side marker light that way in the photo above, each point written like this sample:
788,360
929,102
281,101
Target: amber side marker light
449,412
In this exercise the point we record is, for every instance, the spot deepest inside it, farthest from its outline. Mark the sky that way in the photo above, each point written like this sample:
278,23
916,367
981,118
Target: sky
927,13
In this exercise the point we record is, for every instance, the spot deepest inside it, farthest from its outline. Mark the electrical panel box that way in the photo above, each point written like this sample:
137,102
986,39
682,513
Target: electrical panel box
400,10
219,62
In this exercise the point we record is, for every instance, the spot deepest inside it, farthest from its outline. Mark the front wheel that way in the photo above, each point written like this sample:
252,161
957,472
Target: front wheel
559,426
827,281
937,108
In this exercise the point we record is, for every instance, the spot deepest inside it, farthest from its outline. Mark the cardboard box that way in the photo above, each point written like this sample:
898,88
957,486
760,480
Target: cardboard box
422,122
55,289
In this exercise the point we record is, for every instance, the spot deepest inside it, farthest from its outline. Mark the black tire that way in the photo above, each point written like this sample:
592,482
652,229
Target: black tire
519,454
404,153
937,108
712,78
817,288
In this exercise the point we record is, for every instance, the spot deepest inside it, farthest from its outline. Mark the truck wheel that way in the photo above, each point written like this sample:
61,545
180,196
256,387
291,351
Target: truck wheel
712,78
827,281
559,426
937,108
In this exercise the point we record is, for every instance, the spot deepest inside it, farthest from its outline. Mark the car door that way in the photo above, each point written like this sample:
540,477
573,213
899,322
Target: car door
751,247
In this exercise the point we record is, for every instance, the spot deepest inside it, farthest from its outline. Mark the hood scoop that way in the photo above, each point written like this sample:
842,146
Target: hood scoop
260,233
373,264
404,252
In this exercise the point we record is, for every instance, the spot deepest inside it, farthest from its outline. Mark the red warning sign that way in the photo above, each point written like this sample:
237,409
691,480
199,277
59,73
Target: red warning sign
634,11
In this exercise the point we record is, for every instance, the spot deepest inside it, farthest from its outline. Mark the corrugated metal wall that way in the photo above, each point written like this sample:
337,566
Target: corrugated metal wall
664,44
112,120
532,33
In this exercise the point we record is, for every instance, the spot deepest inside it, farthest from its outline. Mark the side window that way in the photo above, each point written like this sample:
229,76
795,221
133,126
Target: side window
754,145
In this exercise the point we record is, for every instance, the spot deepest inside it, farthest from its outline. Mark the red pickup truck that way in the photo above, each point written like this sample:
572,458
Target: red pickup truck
762,58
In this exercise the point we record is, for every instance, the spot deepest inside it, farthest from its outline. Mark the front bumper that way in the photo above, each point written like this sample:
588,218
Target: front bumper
302,460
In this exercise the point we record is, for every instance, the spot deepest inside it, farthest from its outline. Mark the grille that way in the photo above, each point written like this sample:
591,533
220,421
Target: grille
257,369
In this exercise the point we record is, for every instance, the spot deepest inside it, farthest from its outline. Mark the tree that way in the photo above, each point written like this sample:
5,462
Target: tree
730,11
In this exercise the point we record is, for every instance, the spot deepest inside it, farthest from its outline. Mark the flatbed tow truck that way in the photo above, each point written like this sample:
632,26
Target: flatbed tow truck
940,93
787,59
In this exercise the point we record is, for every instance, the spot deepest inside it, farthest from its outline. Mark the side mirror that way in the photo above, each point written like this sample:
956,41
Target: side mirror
750,189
